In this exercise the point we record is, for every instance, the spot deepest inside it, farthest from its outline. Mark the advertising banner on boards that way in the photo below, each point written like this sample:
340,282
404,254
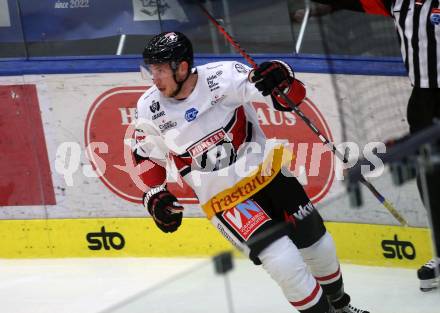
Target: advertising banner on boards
85,118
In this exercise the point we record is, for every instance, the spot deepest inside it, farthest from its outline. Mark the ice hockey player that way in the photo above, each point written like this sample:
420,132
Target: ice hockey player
199,121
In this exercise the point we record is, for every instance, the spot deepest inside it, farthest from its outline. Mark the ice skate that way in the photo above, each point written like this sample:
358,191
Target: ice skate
428,275
343,306
350,309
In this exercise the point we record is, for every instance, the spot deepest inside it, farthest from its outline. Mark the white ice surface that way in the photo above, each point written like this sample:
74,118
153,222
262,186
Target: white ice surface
96,285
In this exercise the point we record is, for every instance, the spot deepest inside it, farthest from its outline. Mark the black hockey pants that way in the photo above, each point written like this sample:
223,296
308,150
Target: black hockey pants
423,107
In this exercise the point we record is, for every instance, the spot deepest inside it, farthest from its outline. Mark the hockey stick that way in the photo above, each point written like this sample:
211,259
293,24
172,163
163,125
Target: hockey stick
309,123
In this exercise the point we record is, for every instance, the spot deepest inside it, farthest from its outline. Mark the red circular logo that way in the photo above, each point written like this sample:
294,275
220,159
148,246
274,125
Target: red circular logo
109,133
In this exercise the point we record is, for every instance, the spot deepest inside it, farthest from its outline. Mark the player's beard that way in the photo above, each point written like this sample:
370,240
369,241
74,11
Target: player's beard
176,91
169,91
179,85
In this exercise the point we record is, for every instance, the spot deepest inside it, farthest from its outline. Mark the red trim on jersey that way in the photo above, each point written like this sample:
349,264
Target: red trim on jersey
155,175
308,299
181,161
329,277
375,7
238,129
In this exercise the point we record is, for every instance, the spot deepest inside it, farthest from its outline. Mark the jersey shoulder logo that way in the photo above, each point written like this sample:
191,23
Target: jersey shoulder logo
240,68
155,106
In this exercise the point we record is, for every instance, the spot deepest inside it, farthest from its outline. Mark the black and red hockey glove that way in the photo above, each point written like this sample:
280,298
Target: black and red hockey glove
164,208
278,75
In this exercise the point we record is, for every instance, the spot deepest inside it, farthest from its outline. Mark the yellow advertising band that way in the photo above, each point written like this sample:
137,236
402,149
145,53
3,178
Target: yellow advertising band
379,245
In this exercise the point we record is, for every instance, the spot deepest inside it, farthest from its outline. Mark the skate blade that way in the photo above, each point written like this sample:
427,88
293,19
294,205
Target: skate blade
429,284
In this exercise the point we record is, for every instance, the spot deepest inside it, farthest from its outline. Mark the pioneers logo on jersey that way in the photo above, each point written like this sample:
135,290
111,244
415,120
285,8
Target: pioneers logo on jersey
191,114
206,143
213,152
246,218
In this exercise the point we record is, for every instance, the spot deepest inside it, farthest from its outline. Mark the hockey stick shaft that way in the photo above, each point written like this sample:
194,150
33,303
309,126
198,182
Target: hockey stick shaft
306,120
223,31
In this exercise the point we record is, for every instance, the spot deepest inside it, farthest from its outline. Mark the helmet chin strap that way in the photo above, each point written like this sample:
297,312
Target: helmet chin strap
179,84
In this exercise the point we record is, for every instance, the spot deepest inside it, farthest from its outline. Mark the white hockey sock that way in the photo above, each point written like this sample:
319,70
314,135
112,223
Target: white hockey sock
283,261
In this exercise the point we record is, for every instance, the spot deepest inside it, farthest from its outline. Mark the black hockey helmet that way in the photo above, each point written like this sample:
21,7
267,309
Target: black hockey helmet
169,47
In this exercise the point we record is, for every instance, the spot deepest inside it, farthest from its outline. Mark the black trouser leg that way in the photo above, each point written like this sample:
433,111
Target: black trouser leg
423,108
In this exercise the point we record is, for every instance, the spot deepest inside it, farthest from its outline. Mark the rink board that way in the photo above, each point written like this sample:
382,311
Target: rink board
138,237
54,203
91,112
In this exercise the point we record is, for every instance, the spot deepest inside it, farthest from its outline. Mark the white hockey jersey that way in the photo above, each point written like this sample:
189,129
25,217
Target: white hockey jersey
212,138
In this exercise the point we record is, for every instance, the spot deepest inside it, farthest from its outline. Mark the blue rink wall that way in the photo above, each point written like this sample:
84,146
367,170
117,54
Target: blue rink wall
391,66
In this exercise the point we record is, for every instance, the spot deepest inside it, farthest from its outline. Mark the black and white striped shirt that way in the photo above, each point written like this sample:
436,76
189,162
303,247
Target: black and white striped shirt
418,26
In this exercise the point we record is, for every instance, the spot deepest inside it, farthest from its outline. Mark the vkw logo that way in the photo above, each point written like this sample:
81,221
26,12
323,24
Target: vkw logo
108,240
398,249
